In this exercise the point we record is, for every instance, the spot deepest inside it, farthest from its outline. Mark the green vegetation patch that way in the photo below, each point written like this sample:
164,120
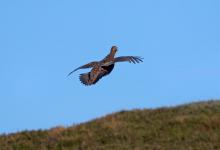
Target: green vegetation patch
191,126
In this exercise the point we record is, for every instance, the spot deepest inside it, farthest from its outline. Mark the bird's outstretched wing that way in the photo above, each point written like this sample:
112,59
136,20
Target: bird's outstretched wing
89,65
133,59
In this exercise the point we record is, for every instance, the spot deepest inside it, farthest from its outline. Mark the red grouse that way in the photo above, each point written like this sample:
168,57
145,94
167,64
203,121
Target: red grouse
103,67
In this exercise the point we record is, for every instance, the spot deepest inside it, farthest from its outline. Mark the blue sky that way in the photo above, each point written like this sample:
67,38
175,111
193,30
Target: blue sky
42,41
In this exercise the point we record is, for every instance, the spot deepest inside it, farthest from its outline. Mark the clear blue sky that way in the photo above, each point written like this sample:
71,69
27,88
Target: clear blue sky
42,41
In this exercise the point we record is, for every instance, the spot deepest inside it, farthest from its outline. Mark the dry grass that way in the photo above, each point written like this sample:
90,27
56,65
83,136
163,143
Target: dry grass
191,126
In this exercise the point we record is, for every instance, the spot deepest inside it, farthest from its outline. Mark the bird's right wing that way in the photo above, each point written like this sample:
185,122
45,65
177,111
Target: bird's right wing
133,59
89,65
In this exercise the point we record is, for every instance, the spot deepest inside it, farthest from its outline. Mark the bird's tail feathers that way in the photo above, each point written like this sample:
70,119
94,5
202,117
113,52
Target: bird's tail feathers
85,78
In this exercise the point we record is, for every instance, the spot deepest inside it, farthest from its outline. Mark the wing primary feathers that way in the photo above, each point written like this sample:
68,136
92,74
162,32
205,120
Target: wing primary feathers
130,59
133,60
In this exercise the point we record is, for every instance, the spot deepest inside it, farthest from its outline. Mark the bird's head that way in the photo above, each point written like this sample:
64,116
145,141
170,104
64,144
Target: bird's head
114,49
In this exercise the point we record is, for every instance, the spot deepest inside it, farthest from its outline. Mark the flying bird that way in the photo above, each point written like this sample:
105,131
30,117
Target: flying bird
103,67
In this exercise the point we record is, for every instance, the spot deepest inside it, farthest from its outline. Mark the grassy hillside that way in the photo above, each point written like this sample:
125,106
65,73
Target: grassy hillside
192,126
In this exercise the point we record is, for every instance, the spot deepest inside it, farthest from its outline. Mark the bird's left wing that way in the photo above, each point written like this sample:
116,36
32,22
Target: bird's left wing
133,59
89,65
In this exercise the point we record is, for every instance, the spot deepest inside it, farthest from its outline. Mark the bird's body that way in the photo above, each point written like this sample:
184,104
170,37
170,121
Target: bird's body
103,67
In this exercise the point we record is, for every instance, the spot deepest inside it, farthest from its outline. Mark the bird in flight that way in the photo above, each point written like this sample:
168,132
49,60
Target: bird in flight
103,67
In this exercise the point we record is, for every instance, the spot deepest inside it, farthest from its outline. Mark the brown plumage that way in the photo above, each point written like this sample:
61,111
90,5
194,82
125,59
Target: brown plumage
103,67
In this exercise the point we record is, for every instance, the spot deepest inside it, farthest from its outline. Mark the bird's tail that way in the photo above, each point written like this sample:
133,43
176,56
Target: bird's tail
85,78
88,79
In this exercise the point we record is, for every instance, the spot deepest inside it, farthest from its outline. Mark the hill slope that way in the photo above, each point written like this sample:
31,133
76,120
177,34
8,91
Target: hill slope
192,126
